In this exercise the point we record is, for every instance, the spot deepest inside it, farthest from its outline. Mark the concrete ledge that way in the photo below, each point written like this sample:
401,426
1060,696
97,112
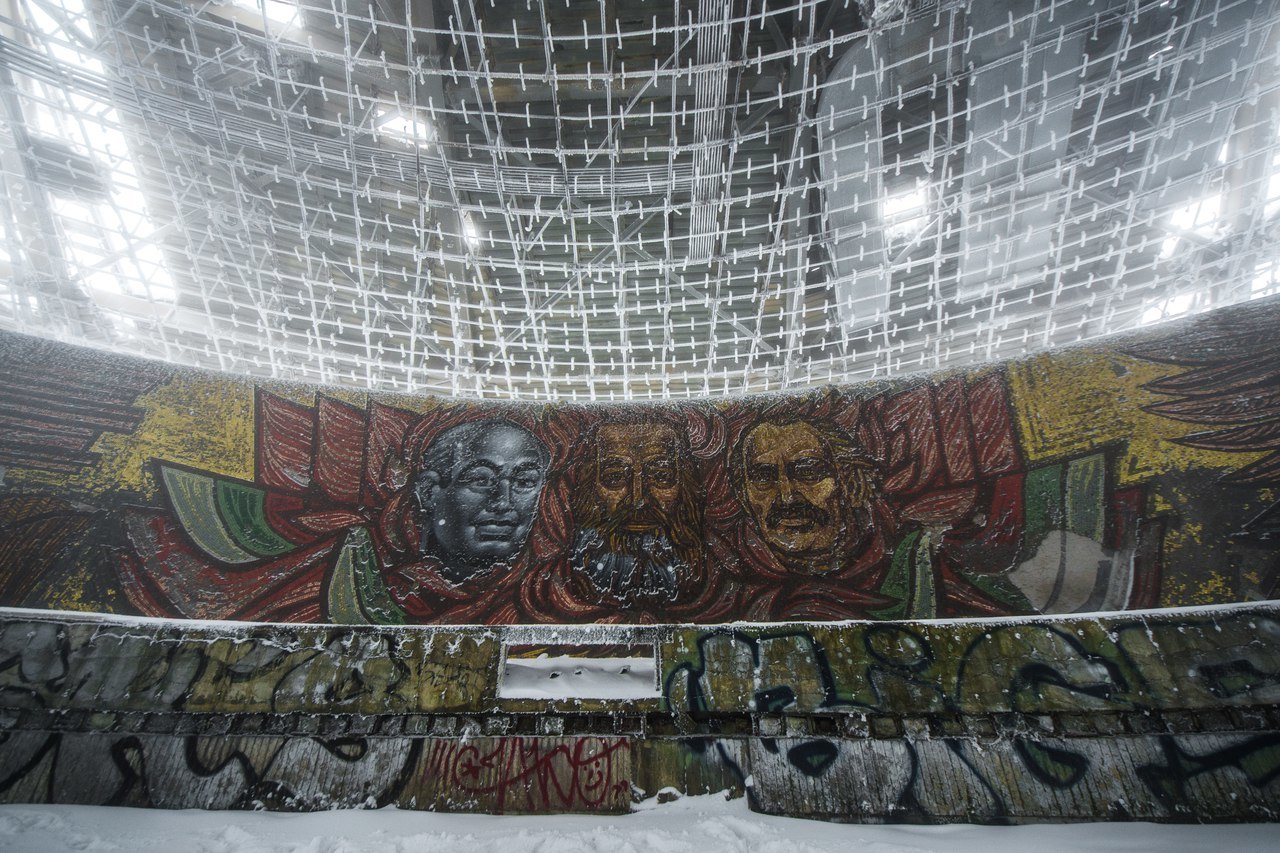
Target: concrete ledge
496,775
1155,716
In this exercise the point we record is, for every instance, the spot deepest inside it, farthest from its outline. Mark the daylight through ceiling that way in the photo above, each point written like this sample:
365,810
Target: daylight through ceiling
617,199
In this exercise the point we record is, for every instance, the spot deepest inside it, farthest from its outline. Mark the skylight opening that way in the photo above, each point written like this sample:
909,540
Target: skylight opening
1200,218
1266,280
109,240
1171,308
1272,206
283,15
470,232
905,212
398,124
287,188
63,33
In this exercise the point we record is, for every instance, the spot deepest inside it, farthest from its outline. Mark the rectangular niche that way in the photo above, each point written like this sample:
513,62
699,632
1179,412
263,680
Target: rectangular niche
579,671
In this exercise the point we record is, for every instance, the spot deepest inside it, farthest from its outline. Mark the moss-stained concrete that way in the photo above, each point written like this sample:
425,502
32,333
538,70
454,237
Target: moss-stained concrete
1155,716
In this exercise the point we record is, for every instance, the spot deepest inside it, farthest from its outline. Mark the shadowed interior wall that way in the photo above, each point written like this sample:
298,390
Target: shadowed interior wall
1137,474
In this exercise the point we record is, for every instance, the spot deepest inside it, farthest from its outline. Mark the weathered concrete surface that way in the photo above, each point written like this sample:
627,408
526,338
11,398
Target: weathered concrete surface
150,666
1199,659
1168,715
1204,777
1148,661
499,775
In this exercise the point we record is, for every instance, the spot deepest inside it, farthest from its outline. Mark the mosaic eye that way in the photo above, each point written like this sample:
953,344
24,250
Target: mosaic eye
615,477
526,480
479,478
809,470
661,473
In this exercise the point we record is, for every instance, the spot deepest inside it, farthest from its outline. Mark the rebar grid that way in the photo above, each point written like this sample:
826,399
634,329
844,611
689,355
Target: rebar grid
615,199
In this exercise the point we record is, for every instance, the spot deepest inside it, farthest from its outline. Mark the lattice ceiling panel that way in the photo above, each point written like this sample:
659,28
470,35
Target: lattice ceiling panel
615,199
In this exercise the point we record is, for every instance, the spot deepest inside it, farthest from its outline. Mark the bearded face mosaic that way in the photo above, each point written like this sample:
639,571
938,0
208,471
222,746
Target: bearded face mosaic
1134,475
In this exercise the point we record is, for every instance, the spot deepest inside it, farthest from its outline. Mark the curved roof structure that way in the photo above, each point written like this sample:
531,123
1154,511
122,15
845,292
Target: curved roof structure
617,199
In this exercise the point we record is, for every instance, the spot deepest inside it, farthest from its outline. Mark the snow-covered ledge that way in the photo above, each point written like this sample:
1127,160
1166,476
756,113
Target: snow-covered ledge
1162,715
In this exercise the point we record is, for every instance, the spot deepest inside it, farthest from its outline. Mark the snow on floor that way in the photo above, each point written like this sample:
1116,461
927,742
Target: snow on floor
693,825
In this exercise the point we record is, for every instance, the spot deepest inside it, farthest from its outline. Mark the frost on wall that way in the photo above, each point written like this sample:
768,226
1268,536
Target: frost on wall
1102,478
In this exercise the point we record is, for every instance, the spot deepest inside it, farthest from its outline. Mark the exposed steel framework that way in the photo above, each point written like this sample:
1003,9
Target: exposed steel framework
617,199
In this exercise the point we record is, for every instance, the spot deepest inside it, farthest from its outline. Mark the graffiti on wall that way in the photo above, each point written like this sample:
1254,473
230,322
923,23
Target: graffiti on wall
1140,663
1044,486
206,681
312,670
1122,664
982,720
900,673
524,775
1189,776
1126,777
530,775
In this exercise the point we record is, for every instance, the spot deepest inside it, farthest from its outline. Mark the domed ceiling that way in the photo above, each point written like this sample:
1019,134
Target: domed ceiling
616,199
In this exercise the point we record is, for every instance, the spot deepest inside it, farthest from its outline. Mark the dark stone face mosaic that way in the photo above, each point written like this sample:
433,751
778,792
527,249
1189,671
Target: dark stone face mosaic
477,495
1133,475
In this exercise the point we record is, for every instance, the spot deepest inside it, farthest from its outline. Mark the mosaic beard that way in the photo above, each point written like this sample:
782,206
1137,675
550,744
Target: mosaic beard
630,555
630,566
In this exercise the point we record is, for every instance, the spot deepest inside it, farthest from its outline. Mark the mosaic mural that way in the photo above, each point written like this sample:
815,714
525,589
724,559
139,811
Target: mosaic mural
1134,475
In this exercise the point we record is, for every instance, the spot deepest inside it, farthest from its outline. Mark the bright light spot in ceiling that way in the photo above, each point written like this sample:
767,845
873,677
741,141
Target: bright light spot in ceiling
1273,190
110,250
1200,218
397,123
904,213
1266,280
278,12
470,232
1167,309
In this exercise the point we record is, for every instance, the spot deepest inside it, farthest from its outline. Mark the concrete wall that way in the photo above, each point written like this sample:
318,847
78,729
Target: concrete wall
1164,715
1137,474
